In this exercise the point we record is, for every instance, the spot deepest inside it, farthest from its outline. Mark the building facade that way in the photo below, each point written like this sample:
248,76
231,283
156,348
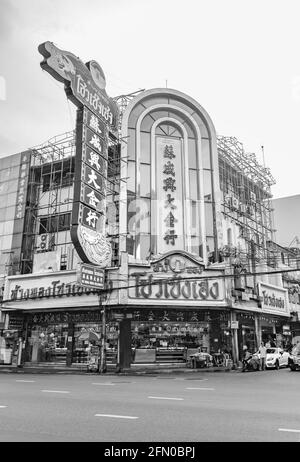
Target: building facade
189,219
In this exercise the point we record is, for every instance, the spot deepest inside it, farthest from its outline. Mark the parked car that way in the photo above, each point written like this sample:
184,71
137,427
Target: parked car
276,358
294,359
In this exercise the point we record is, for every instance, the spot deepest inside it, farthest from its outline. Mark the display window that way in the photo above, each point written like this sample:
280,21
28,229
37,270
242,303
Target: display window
170,335
47,343
87,342
8,347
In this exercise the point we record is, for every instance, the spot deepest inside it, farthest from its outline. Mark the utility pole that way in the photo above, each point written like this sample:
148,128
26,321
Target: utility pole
102,307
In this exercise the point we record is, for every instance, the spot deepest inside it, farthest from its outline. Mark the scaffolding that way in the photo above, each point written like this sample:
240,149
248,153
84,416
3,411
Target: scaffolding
123,101
246,196
50,200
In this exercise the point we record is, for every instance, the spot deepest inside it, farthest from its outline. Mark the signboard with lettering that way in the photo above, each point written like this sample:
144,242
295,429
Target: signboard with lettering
97,117
178,278
169,194
273,299
90,276
22,185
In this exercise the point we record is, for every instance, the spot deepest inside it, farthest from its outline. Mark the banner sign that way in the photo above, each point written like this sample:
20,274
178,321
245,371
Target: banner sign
97,116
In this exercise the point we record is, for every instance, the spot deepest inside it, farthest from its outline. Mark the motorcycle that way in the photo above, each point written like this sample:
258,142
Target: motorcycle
251,363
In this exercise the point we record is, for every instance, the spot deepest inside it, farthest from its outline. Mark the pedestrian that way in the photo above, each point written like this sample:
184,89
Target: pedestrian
263,354
268,344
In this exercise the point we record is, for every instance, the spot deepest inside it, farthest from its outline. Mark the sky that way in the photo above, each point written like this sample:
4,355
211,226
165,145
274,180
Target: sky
239,59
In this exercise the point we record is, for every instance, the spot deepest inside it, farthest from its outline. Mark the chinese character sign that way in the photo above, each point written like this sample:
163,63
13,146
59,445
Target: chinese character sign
169,186
97,115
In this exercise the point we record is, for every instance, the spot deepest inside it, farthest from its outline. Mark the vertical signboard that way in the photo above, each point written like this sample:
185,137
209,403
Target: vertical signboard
97,116
169,195
22,185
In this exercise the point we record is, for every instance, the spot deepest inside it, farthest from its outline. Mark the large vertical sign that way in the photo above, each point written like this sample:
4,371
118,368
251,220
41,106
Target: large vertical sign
97,116
170,230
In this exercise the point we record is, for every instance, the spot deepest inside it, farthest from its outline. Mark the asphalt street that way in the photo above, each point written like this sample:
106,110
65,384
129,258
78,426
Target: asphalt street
201,407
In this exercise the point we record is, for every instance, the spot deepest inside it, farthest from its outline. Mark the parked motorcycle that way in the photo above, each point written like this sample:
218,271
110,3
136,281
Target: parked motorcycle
251,363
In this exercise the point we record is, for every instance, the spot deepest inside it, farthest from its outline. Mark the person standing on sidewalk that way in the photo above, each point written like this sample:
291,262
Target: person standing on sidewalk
263,354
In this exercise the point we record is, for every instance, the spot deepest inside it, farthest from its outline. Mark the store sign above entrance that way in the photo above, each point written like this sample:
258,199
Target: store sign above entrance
273,299
97,117
176,278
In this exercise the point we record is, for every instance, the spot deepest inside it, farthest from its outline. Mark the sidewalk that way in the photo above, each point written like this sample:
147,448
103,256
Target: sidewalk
135,369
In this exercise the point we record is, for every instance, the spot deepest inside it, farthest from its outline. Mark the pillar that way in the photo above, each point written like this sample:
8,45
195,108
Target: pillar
235,345
70,342
257,330
124,344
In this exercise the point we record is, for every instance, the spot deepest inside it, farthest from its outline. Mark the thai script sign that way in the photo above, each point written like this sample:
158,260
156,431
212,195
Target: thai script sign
84,83
273,299
176,288
97,116
56,288
175,277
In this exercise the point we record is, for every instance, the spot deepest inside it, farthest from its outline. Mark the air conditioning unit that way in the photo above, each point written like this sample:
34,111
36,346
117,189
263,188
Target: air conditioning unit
43,243
235,203
243,208
228,200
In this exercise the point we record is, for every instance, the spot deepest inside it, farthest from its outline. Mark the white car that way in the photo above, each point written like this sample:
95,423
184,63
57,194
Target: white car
277,357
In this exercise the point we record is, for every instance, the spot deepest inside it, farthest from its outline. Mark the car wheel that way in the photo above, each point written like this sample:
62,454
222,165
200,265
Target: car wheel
277,365
292,367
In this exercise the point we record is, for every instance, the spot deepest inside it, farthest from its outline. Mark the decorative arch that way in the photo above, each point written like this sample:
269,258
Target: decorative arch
182,112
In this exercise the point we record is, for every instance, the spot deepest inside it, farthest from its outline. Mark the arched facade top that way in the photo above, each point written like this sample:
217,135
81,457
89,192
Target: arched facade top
182,98
191,179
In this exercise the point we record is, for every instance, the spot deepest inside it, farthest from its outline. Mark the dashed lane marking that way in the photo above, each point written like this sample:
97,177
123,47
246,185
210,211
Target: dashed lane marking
55,391
2,407
292,430
165,397
103,383
198,388
131,417
25,381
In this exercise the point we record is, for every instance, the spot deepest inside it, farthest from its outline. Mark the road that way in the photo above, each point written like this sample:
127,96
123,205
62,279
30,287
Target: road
198,407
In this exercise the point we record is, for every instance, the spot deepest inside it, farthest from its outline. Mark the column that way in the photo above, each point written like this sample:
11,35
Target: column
235,345
124,344
257,330
70,342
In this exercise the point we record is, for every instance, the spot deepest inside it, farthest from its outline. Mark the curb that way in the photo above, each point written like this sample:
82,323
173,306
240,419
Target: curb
124,372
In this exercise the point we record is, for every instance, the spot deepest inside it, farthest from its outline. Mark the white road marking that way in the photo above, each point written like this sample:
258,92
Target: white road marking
197,380
164,397
103,383
55,391
25,381
116,416
292,430
1,407
198,388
